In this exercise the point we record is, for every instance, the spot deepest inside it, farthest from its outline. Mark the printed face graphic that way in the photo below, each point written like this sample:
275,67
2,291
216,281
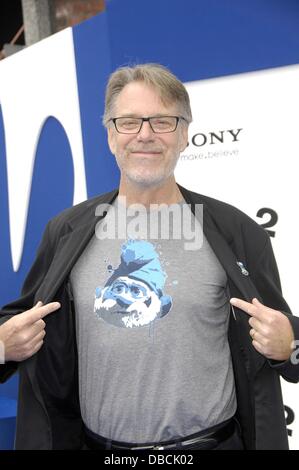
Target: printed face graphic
133,295
127,303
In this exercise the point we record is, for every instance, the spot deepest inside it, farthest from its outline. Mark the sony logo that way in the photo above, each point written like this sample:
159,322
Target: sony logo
215,137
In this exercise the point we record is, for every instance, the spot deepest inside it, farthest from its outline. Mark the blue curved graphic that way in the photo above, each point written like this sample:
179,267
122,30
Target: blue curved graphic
51,191
52,184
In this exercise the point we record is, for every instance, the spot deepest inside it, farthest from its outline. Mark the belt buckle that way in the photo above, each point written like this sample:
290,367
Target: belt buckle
156,447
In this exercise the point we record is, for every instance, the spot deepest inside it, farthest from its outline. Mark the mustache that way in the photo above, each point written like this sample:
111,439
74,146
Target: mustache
145,149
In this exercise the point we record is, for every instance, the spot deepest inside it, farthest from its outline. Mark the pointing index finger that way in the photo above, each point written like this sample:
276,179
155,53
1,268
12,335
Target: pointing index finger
38,312
49,308
247,307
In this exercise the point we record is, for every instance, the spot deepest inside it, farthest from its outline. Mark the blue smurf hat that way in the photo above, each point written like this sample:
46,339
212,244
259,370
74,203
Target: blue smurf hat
139,260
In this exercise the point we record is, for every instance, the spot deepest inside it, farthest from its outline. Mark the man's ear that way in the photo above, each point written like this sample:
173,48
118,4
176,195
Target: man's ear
184,138
111,139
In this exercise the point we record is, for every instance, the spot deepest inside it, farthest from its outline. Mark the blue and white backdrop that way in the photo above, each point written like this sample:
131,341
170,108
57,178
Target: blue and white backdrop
239,63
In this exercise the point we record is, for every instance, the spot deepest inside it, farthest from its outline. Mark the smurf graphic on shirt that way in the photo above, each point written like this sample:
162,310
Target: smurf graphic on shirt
133,295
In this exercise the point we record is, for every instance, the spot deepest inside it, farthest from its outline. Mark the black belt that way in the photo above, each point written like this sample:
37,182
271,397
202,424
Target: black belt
207,439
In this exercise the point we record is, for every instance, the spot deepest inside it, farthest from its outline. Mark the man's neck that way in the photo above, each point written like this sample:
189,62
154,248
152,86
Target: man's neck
167,193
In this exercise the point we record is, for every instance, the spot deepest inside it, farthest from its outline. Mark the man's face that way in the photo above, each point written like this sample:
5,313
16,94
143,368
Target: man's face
146,158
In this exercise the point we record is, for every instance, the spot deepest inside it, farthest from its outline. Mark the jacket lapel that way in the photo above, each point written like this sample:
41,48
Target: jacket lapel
222,250
242,284
70,247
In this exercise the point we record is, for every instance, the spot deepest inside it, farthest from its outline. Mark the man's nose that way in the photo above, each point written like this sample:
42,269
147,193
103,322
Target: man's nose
146,132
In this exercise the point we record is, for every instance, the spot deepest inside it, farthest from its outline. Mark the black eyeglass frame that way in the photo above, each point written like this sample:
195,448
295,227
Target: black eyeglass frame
147,119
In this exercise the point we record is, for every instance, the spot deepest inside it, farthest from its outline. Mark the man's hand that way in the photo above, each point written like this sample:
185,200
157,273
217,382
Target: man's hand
22,335
272,333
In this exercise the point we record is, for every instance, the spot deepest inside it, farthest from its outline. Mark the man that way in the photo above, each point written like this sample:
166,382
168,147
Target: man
147,349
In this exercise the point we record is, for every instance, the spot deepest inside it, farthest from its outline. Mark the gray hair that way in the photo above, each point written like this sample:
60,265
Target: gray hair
169,87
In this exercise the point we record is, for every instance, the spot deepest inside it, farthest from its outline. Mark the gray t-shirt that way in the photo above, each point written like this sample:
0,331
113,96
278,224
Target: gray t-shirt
152,320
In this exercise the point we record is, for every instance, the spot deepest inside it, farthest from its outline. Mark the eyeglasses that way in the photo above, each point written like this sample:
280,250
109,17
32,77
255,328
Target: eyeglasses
159,124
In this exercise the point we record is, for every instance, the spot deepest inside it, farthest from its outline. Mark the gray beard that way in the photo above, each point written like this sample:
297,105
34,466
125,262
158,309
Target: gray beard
153,180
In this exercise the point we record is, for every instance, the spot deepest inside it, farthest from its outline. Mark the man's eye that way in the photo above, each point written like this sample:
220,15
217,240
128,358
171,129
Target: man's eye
162,123
128,123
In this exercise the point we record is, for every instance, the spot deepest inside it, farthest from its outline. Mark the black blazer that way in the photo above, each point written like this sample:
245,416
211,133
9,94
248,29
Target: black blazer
48,407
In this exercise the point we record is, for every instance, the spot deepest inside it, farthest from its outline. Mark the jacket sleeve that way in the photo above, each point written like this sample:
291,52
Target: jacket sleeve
268,283
289,369
26,300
